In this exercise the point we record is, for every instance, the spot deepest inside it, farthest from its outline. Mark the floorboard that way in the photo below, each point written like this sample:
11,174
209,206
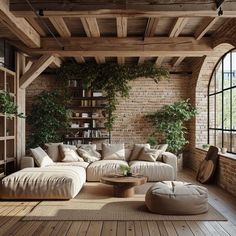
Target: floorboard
12,212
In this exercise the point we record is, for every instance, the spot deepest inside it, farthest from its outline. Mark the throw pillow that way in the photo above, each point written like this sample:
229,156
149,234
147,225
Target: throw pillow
91,149
41,157
136,150
68,154
162,147
113,151
87,156
52,149
88,146
148,154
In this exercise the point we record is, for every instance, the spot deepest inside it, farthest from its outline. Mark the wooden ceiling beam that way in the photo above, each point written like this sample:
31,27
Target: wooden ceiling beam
92,30
79,59
159,61
35,70
204,26
124,47
20,27
113,8
32,21
178,27
60,26
149,32
56,63
121,26
175,32
177,61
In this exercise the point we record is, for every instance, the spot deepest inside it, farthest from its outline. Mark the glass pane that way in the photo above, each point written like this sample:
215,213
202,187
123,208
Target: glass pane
234,108
219,77
219,110
212,137
234,68
227,139
212,111
227,112
219,138
233,142
212,86
227,70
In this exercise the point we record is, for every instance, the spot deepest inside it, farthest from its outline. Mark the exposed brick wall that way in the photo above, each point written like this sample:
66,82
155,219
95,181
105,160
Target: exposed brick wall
145,96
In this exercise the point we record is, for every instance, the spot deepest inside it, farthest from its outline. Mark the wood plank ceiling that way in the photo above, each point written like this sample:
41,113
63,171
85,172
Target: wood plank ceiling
122,31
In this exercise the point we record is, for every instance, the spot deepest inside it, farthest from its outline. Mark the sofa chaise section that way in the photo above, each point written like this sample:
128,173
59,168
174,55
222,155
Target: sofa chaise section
44,183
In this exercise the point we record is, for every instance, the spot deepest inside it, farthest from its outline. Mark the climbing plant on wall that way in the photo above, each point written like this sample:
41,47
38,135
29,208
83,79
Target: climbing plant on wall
111,78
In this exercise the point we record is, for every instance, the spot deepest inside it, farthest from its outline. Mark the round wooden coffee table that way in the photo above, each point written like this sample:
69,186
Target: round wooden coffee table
123,185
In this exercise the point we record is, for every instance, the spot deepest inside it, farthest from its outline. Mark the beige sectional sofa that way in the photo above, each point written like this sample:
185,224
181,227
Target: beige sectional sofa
64,180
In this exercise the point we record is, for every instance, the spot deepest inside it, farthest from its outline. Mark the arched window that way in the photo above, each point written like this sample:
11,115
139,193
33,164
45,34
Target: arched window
222,104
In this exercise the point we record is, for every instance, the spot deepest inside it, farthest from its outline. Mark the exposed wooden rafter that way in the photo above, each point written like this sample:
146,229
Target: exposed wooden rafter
124,47
149,32
175,32
60,25
18,26
35,70
178,27
121,25
205,25
159,61
92,30
79,59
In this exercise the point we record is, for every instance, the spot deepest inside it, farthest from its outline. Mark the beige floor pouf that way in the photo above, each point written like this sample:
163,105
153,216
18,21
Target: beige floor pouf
177,198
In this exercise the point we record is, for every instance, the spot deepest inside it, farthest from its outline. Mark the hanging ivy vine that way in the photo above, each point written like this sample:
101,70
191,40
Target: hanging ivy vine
111,78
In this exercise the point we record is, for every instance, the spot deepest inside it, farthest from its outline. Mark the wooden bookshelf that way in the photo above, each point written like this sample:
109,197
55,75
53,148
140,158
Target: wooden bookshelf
7,126
87,120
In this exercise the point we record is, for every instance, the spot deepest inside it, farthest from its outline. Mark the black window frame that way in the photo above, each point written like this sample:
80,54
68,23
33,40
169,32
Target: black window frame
230,88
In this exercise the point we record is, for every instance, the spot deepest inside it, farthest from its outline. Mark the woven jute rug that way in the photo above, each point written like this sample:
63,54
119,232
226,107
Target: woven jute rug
95,202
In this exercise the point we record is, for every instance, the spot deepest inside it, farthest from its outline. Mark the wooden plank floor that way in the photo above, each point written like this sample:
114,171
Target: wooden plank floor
11,213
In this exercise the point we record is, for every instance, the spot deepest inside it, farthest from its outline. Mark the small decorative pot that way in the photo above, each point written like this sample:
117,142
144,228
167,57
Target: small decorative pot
224,150
129,174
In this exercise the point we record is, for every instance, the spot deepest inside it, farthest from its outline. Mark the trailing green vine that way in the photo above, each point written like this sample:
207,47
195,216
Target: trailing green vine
111,78
8,106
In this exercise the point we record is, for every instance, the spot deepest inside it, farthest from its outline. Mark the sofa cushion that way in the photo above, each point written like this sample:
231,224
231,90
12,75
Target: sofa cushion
113,151
41,157
155,171
68,154
53,152
44,183
148,154
77,163
88,155
137,148
98,169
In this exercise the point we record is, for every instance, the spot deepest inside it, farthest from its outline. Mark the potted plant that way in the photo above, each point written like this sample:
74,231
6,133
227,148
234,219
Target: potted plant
152,141
8,106
126,170
170,122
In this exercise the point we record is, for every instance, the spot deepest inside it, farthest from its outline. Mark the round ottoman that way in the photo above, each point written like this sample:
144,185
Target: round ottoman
177,198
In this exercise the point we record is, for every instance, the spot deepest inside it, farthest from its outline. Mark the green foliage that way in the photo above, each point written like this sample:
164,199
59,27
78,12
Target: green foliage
48,116
170,122
125,168
8,106
152,141
110,78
